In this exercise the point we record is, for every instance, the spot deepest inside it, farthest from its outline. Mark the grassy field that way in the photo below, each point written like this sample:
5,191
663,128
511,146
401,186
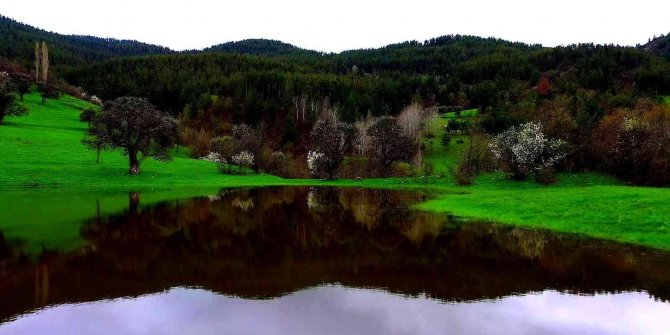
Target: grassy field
44,150
50,184
467,113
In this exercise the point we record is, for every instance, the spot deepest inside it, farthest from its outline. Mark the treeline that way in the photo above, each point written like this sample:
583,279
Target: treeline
458,70
250,88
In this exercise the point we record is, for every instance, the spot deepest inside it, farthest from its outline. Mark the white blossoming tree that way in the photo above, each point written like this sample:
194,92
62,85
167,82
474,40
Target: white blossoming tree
244,159
525,149
95,100
317,162
213,157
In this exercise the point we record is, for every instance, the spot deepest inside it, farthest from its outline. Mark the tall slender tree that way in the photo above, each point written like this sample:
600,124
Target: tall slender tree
41,62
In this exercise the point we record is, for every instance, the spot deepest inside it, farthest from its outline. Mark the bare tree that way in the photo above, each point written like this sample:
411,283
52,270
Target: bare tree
432,125
362,141
331,139
389,143
300,106
41,62
411,121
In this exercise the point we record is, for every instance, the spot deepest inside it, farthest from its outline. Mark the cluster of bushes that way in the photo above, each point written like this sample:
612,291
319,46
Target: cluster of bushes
371,147
634,144
244,150
624,134
477,158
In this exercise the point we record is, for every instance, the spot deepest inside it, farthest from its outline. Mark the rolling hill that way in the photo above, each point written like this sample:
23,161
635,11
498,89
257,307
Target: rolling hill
17,42
259,47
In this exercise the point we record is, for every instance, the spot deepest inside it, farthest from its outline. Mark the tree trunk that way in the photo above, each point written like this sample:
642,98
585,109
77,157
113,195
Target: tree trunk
2,116
133,202
97,158
134,163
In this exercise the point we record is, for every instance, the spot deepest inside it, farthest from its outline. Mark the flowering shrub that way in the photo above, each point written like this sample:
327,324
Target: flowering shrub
635,144
244,159
525,149
316,162
213,157
95,100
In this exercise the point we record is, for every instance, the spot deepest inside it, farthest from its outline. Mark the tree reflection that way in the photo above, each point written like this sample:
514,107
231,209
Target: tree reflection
267,242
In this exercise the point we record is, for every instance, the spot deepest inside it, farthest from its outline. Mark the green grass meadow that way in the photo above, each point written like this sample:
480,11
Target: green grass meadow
50,184
467,113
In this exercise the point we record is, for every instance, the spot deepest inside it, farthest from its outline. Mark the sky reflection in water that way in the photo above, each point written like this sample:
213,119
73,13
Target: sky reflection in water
341,310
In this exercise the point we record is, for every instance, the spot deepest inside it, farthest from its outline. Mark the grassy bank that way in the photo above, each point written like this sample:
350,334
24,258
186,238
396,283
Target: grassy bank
51,184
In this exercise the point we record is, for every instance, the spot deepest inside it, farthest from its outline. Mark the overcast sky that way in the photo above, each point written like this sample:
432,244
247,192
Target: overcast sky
347,24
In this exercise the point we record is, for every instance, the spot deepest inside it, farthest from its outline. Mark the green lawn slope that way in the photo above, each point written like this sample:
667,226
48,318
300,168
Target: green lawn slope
44,150
50,184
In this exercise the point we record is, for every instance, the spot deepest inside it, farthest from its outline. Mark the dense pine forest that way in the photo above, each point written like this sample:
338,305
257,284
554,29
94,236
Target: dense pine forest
260,47
17,42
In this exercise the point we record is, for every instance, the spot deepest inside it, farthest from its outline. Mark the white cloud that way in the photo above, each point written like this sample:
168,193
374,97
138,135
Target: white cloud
347,24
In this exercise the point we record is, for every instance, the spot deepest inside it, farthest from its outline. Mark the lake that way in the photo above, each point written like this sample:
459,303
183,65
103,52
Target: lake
297,260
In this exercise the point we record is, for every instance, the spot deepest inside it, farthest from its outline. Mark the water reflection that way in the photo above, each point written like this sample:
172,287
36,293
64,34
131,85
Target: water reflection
340,310
276,242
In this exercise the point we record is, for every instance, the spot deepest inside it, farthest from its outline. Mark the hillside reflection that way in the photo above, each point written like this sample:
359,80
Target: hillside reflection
264,243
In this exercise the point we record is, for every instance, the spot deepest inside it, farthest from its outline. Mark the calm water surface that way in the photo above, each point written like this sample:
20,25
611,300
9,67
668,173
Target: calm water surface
327,261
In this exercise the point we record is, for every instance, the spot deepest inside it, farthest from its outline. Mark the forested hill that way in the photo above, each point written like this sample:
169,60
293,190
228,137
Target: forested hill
658,46
254,80
259,47
17,42
451,70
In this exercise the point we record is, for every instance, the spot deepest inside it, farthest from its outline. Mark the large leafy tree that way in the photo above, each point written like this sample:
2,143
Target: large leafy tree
135,126
332,140
8,105
22,84
389,144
